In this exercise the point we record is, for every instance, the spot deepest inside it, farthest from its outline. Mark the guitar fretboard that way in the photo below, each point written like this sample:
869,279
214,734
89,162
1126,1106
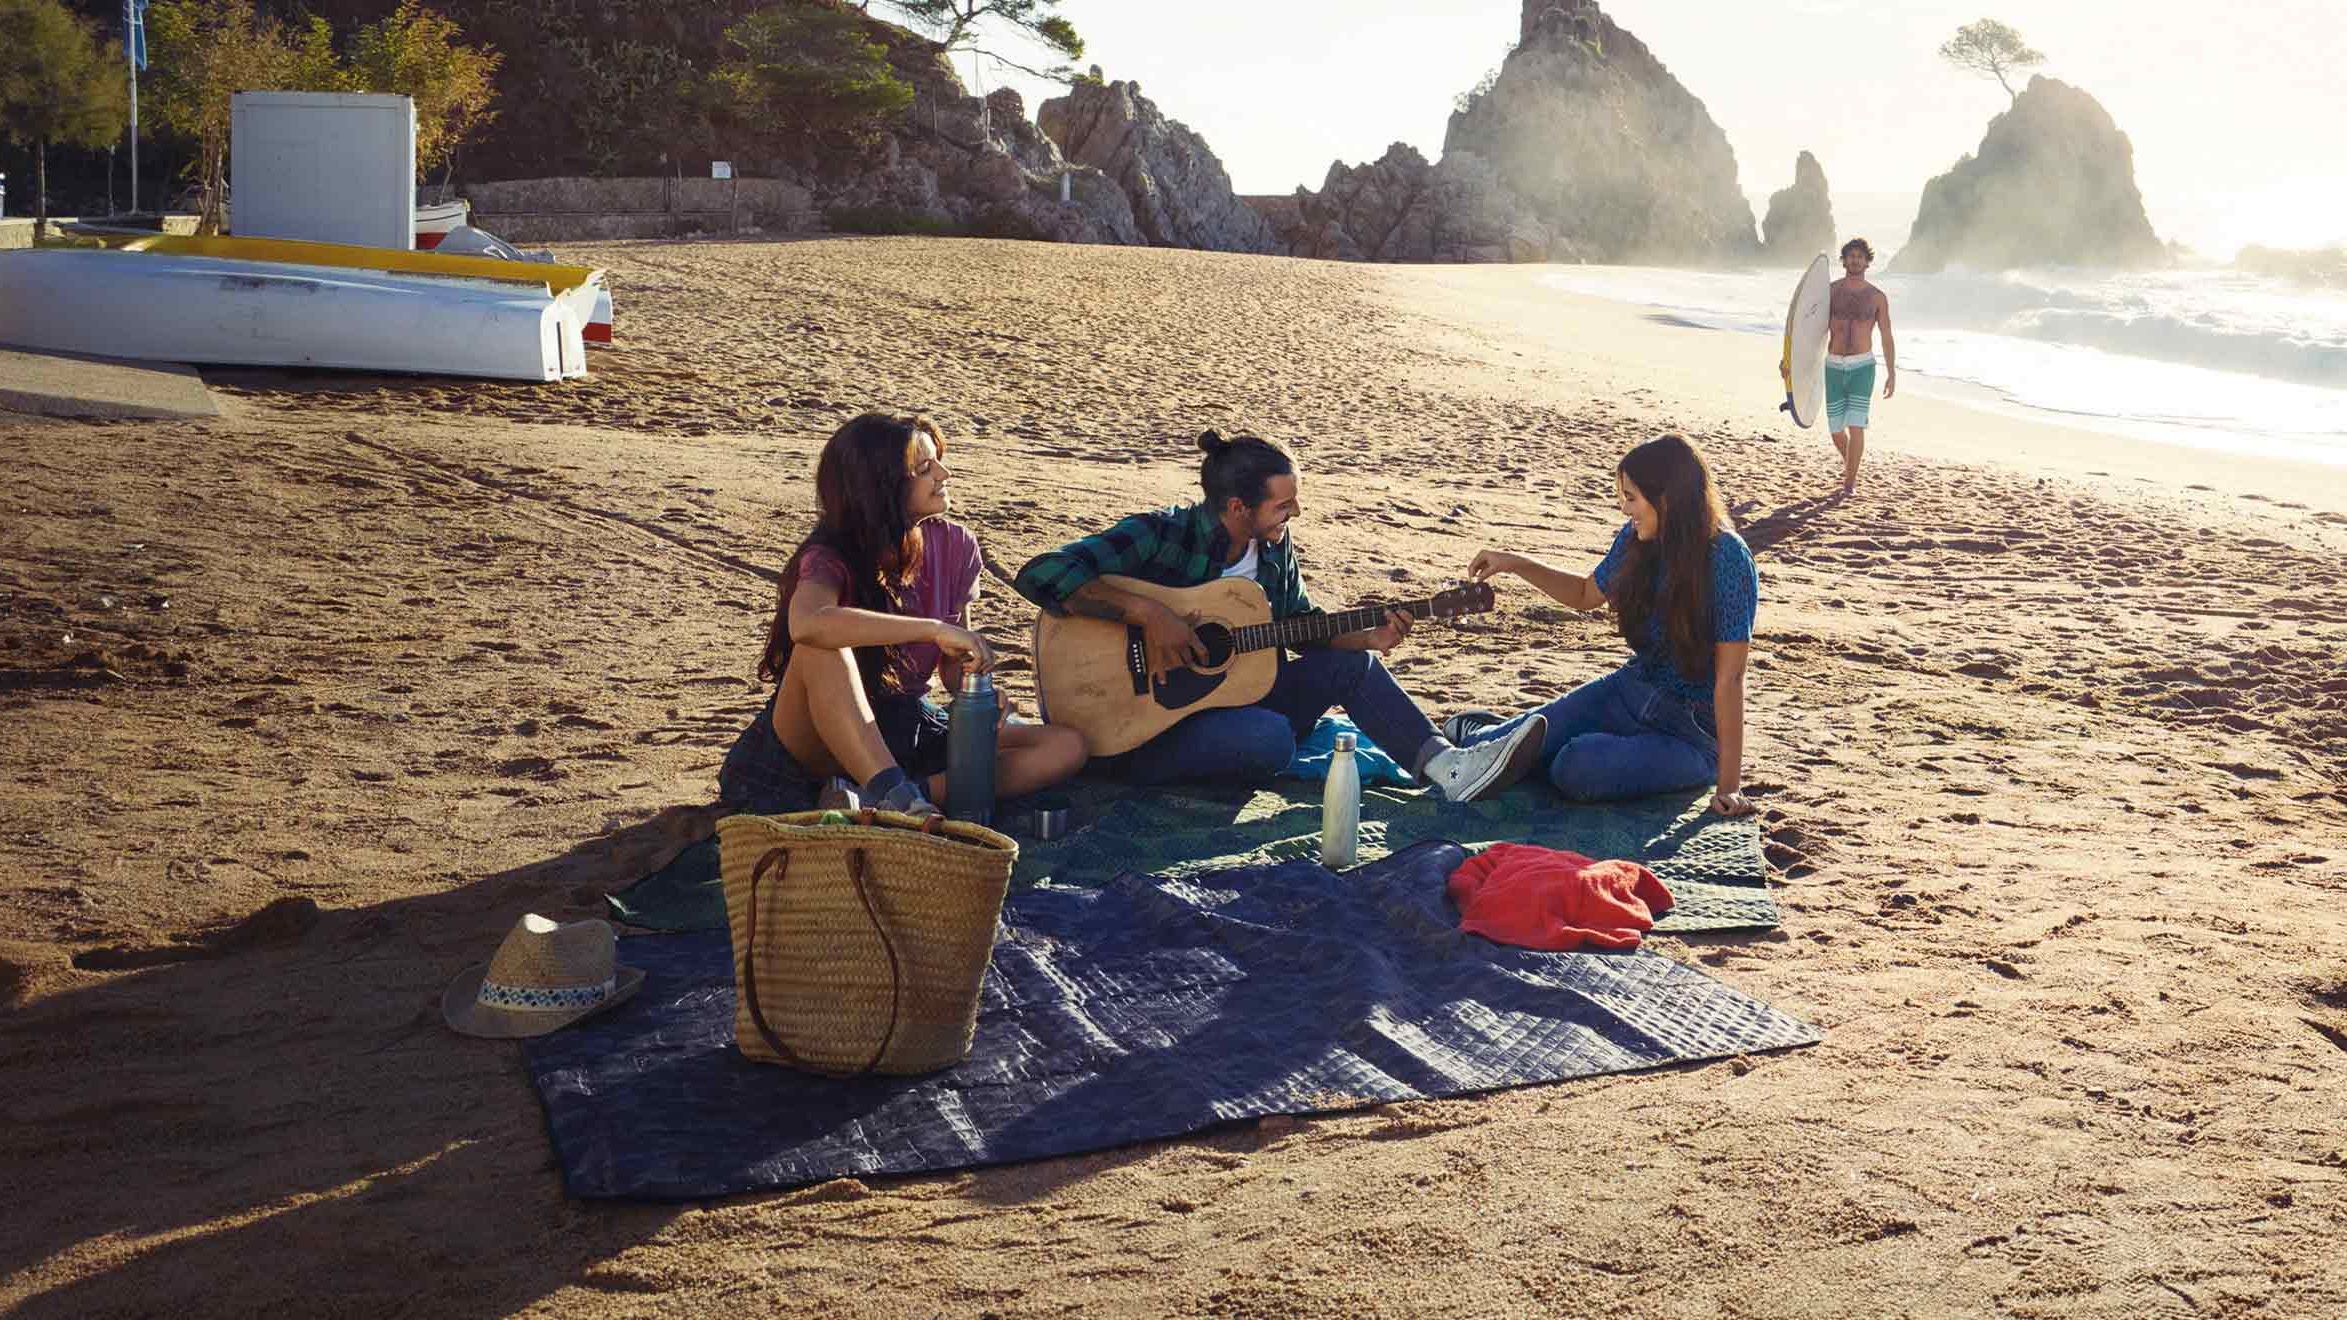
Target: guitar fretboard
1305,629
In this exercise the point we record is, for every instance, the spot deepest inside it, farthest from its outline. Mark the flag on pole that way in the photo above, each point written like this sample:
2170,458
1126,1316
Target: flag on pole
134,32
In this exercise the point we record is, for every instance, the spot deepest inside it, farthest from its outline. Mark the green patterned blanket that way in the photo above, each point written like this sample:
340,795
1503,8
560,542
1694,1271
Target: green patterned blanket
1712,864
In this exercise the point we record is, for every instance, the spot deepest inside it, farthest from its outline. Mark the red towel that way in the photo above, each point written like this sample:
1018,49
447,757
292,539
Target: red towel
1543,898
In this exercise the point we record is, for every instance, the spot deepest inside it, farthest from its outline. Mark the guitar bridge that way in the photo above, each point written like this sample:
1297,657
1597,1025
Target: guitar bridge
1137,660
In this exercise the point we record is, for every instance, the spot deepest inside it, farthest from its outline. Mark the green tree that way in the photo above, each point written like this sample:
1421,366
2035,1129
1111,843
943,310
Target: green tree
807,76
202,53
57,84
960,23
414,52
1991,48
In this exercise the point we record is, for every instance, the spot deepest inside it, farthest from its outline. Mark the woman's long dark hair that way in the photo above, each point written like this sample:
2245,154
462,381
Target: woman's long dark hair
1673,477
860,515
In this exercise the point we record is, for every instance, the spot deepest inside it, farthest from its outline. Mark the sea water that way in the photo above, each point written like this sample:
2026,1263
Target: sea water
2211,358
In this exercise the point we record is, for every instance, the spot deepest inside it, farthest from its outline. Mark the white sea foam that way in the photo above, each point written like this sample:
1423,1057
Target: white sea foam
2214,358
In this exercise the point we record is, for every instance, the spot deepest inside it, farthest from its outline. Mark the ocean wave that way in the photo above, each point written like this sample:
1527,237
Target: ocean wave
2221,321
2224,353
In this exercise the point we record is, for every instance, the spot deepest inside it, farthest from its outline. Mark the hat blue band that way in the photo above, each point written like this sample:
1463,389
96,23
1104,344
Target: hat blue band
545,998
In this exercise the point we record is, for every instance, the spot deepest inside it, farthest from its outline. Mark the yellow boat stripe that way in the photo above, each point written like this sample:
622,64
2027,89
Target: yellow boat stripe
350,256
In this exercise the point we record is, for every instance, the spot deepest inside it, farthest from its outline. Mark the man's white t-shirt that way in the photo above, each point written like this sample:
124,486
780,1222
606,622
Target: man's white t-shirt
1246,566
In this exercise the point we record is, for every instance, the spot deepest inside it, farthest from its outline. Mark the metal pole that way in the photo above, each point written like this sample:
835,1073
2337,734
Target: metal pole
135,39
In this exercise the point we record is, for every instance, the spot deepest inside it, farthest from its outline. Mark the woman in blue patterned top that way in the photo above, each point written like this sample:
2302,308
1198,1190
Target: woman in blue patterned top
1683,588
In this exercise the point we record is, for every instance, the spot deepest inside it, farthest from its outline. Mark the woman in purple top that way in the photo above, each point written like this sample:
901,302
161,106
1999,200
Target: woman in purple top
874,602
1684,590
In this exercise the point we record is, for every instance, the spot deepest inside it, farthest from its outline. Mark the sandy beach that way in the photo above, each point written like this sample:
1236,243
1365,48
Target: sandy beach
300,708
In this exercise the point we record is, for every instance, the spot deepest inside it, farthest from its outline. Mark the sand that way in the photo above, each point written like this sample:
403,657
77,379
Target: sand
300,708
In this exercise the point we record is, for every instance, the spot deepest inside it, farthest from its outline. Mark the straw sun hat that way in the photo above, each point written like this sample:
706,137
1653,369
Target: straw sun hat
545,976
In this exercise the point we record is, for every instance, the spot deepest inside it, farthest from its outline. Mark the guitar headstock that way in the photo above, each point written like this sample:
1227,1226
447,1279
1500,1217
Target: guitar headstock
1465,598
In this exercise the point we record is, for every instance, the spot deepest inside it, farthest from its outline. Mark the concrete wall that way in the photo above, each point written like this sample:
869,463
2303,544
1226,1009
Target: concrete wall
555,210
17,231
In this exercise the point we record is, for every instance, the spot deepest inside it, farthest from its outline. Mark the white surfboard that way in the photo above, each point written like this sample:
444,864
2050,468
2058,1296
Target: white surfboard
1806,323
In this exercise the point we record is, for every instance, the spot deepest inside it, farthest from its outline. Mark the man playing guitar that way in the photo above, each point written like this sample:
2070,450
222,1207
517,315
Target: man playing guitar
1241,530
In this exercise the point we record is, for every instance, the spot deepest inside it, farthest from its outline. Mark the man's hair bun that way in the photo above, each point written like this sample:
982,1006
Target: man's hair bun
1211,442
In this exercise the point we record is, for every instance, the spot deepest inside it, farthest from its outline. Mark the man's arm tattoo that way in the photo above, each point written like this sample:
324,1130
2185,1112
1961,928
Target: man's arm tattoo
1090,600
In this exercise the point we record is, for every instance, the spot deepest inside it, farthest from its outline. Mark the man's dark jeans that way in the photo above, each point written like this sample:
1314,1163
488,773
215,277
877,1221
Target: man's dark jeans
1253,744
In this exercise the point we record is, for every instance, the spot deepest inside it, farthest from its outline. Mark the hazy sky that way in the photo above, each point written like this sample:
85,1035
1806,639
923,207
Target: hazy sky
2235,108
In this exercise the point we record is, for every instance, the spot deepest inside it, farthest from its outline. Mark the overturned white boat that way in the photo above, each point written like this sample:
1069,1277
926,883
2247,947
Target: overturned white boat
468,252
170,308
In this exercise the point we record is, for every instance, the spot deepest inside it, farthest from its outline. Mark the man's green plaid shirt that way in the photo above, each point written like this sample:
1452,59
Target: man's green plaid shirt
1181,546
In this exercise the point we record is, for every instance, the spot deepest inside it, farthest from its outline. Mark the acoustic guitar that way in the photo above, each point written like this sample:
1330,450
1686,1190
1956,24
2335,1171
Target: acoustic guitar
1092,675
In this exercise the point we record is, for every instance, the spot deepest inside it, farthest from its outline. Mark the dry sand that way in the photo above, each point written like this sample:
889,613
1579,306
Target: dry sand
300,708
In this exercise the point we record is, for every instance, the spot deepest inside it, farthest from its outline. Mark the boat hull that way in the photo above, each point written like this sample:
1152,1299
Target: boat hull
159,307
435,220
593,307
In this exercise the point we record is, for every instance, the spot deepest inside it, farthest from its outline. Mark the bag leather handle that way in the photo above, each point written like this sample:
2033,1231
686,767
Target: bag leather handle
933,825
778,861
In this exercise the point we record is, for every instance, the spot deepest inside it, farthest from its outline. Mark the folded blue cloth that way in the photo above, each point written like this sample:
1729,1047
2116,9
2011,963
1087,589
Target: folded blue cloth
1312,755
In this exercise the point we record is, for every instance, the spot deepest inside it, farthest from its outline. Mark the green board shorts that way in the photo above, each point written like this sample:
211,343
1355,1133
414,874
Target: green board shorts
1849,390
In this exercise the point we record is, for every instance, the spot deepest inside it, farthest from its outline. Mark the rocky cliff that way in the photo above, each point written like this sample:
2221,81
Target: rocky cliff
1178,191
1604,147
1400,208
1800,220
970,164
2052,184
979,166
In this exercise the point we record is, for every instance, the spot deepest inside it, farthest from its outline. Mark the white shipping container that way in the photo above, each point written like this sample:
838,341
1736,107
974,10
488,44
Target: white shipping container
331,167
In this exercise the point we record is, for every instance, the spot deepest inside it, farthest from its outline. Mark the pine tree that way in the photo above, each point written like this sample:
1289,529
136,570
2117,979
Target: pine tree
58,84
1992,48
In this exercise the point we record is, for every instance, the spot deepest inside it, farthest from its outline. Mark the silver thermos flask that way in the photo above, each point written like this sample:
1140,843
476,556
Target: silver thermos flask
969,751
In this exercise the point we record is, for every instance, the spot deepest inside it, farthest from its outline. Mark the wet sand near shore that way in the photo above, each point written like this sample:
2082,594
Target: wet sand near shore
300,708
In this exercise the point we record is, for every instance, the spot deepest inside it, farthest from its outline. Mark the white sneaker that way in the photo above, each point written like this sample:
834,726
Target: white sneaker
1466,774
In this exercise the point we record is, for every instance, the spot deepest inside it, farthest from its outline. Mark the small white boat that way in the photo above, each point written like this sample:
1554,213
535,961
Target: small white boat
468,252
167,308
434,221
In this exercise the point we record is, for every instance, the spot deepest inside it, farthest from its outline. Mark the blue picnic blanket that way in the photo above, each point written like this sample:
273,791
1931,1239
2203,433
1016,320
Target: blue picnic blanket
1141,1010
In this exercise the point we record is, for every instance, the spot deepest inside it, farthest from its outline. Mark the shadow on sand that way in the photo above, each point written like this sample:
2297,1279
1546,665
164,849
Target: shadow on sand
279,1121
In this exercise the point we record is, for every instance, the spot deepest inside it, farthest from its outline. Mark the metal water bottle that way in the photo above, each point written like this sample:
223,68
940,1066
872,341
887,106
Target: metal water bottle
1340,808
969,751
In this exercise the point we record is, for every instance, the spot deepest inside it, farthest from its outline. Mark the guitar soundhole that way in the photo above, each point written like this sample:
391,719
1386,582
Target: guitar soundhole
1218,643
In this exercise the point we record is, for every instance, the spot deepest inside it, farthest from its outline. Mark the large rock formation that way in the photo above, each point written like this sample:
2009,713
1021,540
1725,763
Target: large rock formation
1178,192
1800,220
1400,208
2053,184
1604,146
978,166
959,163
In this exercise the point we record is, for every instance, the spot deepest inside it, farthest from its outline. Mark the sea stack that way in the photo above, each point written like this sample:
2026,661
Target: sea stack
1604,147
1800,220
2053,184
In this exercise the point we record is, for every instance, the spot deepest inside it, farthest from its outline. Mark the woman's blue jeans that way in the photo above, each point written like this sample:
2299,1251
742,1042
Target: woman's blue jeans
1622,737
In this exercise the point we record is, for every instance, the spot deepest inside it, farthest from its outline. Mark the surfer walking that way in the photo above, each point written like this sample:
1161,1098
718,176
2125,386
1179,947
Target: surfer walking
1857,309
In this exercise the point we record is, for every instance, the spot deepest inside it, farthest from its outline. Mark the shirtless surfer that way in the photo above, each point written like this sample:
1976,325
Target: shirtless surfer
1857,308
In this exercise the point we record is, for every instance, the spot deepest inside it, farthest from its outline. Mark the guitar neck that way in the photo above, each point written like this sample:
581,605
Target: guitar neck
1307,629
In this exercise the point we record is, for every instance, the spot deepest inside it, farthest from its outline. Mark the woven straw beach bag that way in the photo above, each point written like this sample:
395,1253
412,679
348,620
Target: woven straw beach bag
860,940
